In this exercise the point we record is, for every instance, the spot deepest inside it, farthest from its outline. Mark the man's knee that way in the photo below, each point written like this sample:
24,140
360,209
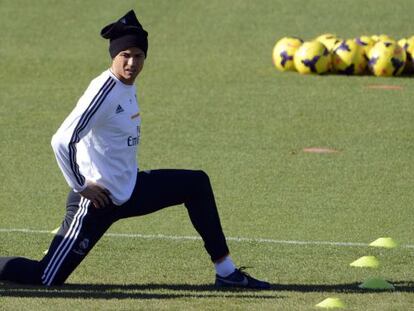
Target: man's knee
199,186
201,176
200,180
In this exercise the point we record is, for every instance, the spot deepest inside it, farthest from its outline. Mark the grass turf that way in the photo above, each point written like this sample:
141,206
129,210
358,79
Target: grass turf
211,99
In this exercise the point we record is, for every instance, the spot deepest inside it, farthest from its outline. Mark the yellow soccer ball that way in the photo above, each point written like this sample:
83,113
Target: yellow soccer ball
366,42
382,37
329,40
375,38
312,57
284,51
402,42
348,58
386,38
386,59
408,46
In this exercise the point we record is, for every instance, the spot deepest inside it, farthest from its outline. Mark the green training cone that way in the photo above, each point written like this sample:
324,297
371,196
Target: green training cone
366,262
384,242
330,303
376,283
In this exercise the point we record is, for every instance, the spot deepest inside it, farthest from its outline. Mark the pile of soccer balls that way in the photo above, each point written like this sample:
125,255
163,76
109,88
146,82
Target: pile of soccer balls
378,55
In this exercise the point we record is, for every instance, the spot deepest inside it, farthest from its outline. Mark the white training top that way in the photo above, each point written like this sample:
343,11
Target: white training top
99,139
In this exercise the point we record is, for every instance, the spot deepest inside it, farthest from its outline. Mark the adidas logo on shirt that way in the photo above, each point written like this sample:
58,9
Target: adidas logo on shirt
119,109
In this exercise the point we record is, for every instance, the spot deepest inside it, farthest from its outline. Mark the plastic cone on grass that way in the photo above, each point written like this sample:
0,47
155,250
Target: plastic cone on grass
330,303
384,242
366,262
376,283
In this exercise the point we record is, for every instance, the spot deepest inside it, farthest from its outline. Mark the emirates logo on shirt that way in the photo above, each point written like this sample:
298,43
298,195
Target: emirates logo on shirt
133,141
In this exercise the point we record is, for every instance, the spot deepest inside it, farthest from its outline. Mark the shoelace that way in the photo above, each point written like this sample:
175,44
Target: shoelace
242,270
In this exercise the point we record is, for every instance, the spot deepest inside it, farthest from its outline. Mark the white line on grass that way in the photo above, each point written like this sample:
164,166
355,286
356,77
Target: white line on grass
181,238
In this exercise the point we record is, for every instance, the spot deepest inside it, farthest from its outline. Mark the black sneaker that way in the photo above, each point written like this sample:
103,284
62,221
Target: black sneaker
241,279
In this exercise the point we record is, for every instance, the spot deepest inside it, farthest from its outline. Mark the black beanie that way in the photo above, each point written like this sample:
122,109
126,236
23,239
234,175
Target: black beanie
125,33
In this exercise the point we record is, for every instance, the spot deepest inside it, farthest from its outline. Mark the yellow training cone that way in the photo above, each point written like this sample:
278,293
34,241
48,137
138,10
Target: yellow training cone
330,303
366,262
55,230
376,283
384,242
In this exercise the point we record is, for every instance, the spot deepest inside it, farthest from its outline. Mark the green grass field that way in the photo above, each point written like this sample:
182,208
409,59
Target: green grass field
212,100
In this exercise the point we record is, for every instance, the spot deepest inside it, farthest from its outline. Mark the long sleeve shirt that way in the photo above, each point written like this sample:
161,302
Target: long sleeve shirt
98,141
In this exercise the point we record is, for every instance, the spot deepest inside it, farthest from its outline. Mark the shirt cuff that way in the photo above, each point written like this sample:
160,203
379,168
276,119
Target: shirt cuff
80,189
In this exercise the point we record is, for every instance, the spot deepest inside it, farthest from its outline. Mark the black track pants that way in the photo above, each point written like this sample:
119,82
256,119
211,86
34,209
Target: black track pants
84,225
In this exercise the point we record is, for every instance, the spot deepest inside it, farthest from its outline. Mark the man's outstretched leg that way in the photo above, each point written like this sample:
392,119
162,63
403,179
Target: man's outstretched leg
158,189
81,229
20,270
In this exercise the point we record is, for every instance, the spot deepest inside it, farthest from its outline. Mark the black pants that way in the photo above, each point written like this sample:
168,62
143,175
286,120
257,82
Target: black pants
84,225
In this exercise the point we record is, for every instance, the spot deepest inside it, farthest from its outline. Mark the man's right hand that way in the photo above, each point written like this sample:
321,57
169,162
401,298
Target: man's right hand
98,195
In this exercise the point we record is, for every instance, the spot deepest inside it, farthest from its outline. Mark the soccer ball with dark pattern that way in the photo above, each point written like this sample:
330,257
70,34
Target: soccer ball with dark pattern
348,58
312,57
284,51
366,42
329,40
386,58
408,46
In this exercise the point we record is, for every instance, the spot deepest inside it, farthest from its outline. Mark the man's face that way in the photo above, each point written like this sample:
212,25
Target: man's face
128,64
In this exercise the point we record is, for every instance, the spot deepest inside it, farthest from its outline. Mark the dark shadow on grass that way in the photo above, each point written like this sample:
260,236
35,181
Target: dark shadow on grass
130,291
400,286
176,291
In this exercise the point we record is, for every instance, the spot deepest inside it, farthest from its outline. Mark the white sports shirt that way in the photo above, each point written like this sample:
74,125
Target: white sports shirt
99,139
